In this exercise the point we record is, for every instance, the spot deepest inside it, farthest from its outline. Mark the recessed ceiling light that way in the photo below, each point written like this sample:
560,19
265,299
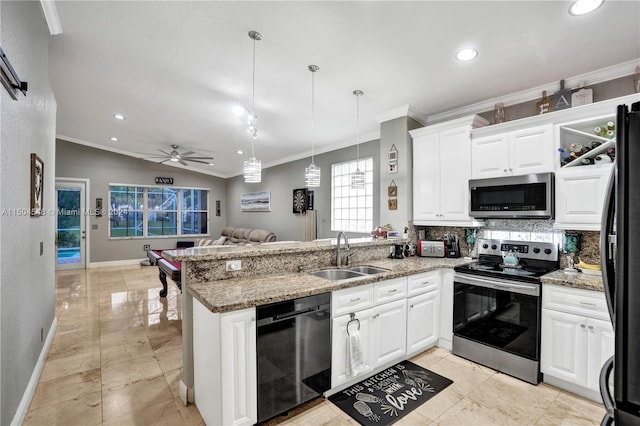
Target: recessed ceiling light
239,152
466,54
113,139
582,7
211,164
239,110
118,116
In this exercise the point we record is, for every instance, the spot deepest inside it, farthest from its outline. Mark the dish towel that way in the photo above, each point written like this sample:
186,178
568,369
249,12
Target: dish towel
355,359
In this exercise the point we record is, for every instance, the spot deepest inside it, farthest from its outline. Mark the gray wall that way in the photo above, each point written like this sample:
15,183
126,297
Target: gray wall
103,167
282,180
27,286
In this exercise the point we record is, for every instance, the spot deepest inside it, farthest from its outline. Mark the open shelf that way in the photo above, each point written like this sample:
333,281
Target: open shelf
582,132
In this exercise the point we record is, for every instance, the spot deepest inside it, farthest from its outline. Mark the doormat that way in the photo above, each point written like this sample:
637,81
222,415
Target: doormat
386,397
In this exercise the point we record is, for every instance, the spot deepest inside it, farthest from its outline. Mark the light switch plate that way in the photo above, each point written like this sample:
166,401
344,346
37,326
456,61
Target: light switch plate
234,265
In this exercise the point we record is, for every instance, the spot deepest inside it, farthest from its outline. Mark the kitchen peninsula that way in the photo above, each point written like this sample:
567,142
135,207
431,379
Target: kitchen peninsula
227,283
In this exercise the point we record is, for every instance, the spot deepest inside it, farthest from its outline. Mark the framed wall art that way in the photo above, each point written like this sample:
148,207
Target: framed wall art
37,186
255,201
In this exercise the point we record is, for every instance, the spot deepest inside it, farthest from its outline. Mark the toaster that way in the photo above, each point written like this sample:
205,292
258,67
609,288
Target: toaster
428,248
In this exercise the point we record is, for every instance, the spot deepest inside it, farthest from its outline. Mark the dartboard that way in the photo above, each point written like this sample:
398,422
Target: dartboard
300,200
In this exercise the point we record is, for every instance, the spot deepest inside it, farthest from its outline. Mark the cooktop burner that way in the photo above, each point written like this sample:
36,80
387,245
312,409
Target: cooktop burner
513,260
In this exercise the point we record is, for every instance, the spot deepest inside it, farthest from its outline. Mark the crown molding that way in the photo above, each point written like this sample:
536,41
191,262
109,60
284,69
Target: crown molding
587,79
402,111
51,16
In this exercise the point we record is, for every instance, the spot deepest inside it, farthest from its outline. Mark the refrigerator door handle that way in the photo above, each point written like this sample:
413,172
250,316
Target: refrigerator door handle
605,392
607,244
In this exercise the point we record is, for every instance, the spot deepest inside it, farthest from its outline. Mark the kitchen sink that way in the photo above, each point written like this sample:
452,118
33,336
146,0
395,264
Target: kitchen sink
346,274
369,270
337,274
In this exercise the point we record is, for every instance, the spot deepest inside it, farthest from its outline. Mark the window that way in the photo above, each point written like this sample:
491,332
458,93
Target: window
351,209
138,211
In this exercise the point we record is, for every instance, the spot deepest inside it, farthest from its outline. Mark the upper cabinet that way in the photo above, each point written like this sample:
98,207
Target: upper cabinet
518,152
441,172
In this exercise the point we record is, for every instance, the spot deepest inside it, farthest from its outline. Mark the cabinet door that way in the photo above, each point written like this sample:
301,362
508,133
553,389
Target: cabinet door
564,346
238,367
580,193
426,177
532,150
601,347
422,321
446,309
490,156
339,344
390,332
455,170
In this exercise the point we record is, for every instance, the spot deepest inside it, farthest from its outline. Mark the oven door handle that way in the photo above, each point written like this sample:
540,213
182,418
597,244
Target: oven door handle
522,288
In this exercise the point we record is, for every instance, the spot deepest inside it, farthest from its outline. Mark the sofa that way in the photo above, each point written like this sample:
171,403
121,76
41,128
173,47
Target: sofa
229,235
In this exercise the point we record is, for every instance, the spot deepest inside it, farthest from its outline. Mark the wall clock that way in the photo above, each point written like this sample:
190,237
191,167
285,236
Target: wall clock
300,200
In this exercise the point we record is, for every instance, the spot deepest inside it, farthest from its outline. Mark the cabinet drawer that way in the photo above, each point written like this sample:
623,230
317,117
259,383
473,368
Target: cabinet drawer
422,283
351,299
387,291
577,301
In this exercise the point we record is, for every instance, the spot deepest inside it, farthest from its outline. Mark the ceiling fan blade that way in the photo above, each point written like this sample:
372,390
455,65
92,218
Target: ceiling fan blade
164,161
184,163
165,152
185,154
197,161
197,158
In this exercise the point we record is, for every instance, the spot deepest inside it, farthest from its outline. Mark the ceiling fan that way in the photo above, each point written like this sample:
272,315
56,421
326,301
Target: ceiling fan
178,157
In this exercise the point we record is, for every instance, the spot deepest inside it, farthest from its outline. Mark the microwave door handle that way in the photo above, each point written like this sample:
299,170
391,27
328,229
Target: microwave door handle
607,245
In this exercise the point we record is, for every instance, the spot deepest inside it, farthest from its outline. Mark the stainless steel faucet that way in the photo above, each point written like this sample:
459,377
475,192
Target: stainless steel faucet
346,249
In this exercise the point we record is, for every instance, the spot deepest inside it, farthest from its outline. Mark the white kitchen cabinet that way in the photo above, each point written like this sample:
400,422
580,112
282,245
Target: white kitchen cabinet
441,171
422,321
513,153
224,357
339,344
389,327
580,194
576,340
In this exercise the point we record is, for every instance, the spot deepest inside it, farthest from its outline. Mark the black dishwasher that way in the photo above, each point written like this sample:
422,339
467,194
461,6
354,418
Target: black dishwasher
294,353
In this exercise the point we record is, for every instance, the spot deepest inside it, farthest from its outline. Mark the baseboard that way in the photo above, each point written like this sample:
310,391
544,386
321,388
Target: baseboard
186,394
573,388
27,396
107,264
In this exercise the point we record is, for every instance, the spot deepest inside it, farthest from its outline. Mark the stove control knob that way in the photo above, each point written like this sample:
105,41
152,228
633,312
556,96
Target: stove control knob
547,251
493,246
536,250
484,246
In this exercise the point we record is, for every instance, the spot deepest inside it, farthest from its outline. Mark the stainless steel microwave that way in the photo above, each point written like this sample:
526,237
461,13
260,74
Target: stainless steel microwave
527,196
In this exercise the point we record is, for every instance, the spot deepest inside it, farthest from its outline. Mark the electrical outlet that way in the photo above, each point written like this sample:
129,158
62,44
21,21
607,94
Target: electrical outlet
234,265
146,247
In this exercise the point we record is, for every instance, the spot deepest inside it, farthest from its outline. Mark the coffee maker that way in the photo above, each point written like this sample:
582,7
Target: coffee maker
396,251
452,246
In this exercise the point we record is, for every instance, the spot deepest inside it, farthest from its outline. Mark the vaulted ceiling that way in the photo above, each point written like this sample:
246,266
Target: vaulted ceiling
176,69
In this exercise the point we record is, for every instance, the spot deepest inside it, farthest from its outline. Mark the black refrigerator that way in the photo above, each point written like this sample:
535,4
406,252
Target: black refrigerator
620,256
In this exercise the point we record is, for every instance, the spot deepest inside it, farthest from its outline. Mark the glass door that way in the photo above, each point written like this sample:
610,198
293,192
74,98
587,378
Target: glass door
70,225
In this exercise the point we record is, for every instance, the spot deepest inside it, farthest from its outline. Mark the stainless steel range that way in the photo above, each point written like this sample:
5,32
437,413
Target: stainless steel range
497,302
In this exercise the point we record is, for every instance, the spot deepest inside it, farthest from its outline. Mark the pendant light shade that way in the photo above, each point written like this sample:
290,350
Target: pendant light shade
357,177
252,168
312,173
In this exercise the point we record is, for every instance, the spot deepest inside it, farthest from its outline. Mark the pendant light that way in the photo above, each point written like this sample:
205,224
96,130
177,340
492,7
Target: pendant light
357,177
252,169
312,173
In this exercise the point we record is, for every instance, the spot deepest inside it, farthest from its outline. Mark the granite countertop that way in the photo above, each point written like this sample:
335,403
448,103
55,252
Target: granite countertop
239,293
268,249
576,280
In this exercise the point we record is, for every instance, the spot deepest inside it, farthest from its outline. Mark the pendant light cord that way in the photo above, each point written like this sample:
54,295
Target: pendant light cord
358,129
253,81
313,92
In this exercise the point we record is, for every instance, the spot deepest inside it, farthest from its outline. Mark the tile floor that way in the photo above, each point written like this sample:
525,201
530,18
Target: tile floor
116,360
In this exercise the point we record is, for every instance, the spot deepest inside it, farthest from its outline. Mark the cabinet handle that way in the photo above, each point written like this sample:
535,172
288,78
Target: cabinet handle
354,300
510,170
424,283
376,316
393,291
411,306
505,170
590,327
589,304
582,326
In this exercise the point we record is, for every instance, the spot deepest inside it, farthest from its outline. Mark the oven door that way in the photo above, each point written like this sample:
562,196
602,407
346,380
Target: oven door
499,313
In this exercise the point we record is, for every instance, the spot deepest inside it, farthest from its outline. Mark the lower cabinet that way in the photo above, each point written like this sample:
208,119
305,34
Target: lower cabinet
224,362
389,329
576,340
339,343
422,321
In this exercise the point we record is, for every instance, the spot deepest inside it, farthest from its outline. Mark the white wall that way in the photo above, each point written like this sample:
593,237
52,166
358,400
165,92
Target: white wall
27,281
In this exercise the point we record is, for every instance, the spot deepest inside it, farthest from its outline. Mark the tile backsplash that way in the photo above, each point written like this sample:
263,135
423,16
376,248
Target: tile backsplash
519,230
